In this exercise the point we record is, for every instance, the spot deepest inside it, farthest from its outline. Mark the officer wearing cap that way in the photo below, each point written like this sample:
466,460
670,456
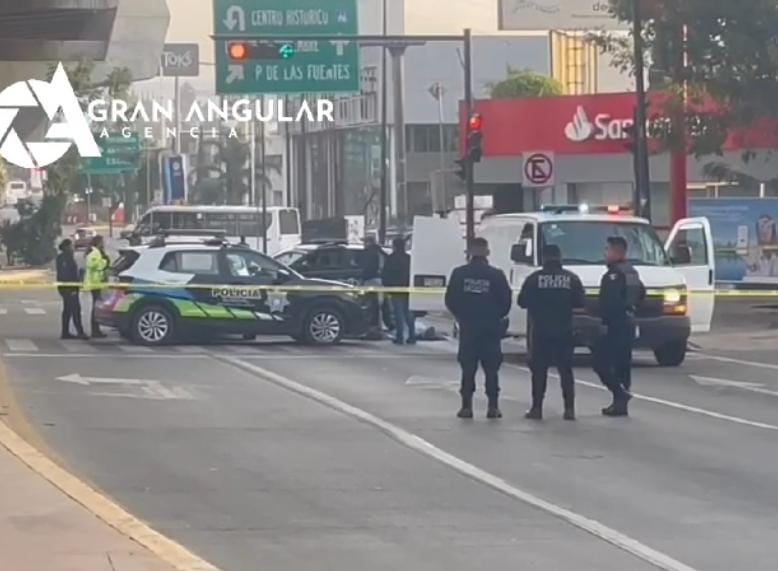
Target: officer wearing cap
551,295
479,297
621,293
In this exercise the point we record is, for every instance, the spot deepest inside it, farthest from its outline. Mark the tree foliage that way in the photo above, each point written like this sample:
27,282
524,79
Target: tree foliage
525,83
722,51
31,239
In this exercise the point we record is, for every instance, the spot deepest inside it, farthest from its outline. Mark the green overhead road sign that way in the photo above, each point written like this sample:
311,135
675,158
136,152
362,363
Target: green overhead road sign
119,155
301,66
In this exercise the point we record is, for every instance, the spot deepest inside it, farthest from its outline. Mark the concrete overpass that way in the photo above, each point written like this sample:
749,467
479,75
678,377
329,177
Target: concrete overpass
112,33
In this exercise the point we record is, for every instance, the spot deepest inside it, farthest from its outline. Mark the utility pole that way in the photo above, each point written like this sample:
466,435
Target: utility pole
288,153
399,136
642,174
384,194
469,164
177,88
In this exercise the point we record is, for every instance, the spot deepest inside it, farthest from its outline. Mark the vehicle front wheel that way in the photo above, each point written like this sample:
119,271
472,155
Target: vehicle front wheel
153,325
671,354
323,326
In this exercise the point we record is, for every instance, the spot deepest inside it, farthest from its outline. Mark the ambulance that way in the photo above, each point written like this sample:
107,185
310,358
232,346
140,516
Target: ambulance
678,275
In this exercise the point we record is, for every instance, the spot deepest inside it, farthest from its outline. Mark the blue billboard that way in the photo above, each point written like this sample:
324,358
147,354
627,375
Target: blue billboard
174,181
745,233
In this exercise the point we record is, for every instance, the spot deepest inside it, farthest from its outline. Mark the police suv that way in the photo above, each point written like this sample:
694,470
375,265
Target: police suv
678,275
169,290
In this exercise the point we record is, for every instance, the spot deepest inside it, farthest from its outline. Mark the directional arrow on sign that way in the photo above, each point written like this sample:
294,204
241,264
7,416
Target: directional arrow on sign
236,72
743,385
236,17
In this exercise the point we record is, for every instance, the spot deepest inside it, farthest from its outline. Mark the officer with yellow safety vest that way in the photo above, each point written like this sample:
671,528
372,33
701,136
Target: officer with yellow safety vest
95,277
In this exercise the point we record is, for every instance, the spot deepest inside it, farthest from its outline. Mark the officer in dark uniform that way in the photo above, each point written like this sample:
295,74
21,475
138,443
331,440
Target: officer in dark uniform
479,297
621,293
551,295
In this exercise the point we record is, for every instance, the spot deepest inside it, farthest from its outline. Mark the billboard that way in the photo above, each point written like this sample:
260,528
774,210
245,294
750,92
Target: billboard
745,233
557,15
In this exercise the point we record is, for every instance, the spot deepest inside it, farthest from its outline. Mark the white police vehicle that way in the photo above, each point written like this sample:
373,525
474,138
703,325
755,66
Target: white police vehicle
173,289
678,275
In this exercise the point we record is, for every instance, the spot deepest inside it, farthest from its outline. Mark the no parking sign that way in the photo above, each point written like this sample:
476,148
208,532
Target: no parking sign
538,169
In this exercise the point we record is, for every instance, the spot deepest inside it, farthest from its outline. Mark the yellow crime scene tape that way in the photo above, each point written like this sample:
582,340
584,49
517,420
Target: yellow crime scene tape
39,284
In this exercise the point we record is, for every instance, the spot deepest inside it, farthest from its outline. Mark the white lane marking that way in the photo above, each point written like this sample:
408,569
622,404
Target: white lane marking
126,356
703,356
3,311
672,404
743,385
21,345
135,349
75,346
241,349
415,442
146,389
190,349
34,311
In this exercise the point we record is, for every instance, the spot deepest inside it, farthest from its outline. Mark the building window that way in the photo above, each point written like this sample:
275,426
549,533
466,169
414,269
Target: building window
426,138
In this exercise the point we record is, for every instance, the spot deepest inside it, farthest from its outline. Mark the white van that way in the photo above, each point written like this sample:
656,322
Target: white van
678,276
283,224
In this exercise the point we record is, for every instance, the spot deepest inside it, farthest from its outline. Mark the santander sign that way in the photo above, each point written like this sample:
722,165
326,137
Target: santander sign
603,128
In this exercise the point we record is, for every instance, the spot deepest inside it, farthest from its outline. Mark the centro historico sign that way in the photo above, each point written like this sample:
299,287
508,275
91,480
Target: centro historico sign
582,125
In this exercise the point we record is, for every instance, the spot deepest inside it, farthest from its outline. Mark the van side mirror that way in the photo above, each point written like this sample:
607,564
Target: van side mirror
521,253
681,255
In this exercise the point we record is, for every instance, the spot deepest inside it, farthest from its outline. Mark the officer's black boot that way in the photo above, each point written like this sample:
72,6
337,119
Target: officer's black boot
618,408
536,412
569,411
493,411
467,408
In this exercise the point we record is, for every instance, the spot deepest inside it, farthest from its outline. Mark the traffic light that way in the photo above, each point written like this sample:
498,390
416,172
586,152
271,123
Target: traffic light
249,51
461,171
475,138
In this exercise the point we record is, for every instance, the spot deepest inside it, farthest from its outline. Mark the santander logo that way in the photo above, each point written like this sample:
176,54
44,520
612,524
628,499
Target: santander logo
604,127
580,128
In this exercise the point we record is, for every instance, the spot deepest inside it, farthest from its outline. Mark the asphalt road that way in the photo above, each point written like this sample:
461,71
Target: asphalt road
276,456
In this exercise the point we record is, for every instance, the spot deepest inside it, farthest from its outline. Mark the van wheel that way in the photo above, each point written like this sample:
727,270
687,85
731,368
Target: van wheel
671,354
323,326
153,325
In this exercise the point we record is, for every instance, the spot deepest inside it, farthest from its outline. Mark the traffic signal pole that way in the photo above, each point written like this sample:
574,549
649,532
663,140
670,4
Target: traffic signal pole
469,163
642,172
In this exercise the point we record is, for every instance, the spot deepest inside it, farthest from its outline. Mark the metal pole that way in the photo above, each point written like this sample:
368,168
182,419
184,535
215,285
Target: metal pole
264,186
400,165
442,135
469,165
253,162
288,151
384,196
641,117
148,177
177,88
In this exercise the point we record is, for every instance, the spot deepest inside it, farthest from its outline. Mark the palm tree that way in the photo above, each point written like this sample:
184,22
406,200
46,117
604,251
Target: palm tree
223,176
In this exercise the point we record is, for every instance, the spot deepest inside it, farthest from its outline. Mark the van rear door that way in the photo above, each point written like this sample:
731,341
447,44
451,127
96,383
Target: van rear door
691,250
438,248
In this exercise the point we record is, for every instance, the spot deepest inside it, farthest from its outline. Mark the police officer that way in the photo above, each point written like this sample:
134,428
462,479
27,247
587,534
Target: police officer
621,293
551,295
479,297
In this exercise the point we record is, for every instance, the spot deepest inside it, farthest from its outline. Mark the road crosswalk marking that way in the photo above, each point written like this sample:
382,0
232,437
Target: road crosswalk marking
3,311
190,349
20,345
135,349
34,311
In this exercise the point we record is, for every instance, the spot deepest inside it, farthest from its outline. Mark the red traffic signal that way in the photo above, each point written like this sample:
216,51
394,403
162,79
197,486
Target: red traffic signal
238,51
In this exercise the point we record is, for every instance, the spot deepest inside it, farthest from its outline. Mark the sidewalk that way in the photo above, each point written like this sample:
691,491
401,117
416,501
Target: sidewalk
42,529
